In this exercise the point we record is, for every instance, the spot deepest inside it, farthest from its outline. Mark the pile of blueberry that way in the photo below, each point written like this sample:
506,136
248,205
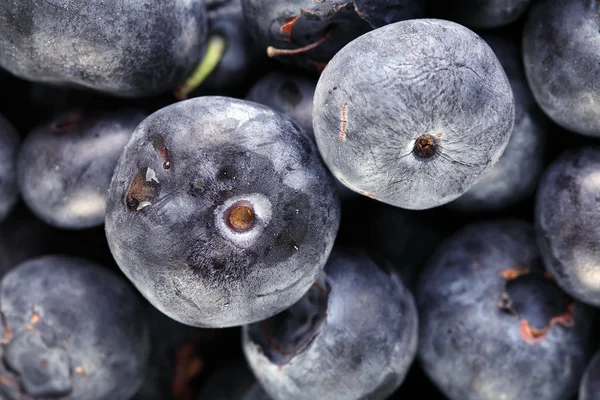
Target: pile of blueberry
299,199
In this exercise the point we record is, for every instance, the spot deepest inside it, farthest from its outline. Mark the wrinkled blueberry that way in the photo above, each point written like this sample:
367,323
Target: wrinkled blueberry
221,211
352,336
65,166
516,174
9,148
479,13
493,324
308,33
568,222
414,113
589,387
561,55
71,331
123,48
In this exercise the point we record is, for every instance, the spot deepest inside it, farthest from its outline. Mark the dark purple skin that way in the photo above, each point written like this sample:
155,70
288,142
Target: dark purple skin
352,336
9,150
414,113
568,223
241,56
515,176
228,382
186,171
292,95
293,24
561,55
123,48
490,315
65,165
72,331
481,14
589,387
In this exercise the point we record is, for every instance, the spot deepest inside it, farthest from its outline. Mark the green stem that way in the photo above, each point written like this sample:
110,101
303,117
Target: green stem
214,53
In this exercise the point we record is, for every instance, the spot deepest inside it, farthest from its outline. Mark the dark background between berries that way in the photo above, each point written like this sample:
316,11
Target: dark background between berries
27,105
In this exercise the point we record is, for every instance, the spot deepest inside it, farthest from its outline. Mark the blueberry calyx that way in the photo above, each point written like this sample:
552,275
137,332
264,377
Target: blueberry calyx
425,146
537,301
241,217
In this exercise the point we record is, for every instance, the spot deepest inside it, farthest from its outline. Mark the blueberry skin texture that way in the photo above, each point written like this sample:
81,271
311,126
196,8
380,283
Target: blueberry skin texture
568,224
561,63
470,347
363,347
589,388
65,166
84,323
289,94
130,49
179,248
293,24
415,79
9,150
482,14
516,174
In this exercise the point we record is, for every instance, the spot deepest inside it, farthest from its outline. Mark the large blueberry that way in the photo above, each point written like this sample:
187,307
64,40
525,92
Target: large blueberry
124,48
352,336
71,331
9,150
561,53
414,113
568,222
65,166
494,325
221,211
479,13
308,33
516,174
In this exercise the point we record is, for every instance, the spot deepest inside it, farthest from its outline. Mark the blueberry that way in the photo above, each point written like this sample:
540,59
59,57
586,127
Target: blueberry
71,331
308,33
9,147
493,324
515,176
123,48
289,94
256,392
352,336
412,114
221,211
568,224
561,59
65,166
479,13
589,387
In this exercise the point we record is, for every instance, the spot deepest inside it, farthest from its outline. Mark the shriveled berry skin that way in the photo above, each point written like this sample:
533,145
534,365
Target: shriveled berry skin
9,150
481,14
65,166
71,331
293,24
489,315
229,213
516,174
589,388
358,341
124,48
568,223
413,113
561,54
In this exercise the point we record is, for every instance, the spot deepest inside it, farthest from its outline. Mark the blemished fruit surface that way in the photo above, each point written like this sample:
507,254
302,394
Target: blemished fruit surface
299,200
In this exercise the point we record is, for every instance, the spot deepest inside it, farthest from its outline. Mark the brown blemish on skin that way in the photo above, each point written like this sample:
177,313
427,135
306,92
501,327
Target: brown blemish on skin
44,362
35,316
8,381
80,370
369,195
274,52
548,275
159,145
289,25
342,135
140,192
8,335
240,217
509,274
531,335
439,135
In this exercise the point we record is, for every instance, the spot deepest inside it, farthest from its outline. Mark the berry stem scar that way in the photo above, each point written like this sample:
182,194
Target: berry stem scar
273,52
